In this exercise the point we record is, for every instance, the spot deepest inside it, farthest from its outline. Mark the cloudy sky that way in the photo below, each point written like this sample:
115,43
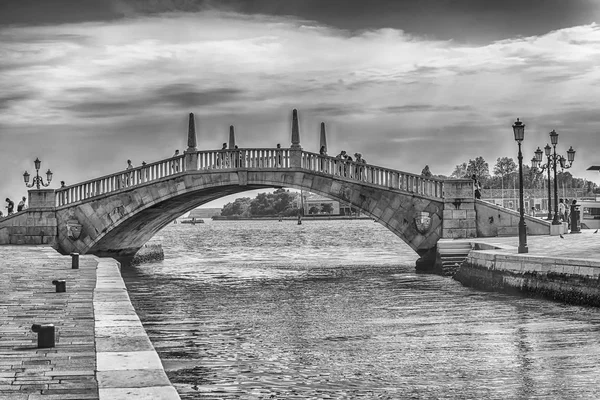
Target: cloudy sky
87,84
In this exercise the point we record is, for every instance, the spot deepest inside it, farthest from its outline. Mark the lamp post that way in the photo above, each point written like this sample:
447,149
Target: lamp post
535,162
562,161
519,131
37,179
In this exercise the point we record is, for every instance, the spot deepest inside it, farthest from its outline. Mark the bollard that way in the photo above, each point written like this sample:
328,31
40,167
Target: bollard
45,334
61,285
75,261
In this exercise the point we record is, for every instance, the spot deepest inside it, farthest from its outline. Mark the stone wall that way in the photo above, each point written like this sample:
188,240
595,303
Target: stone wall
493,220
29,227
459,209
148,253
574,281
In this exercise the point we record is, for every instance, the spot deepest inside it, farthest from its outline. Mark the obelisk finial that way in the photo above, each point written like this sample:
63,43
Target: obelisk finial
231,138
323,139
295,131
192,134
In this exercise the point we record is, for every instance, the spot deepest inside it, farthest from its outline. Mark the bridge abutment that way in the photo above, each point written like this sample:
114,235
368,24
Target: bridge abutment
459,216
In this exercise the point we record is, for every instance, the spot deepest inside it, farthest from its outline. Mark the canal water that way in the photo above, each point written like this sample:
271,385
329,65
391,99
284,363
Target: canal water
334,309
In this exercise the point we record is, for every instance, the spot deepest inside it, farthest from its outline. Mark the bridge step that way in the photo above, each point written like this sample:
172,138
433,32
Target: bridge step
452,255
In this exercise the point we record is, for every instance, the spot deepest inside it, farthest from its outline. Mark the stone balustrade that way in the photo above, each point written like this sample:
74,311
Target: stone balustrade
120,180
252,158
373,174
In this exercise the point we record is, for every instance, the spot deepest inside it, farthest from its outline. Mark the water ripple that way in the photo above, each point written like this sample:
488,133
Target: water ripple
265,310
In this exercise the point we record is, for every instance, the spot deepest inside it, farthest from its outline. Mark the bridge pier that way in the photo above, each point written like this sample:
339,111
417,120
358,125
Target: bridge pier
427,261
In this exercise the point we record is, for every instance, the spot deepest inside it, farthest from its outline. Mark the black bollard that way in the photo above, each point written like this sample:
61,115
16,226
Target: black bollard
75,261
61,285
45,334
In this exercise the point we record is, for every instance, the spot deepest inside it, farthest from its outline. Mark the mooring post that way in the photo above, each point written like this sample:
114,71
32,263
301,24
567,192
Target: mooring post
74,260
45,335
61,285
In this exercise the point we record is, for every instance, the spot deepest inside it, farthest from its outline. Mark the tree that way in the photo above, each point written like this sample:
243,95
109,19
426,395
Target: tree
238,207
327,208
479,168
313,210
504,166
281,203
460,171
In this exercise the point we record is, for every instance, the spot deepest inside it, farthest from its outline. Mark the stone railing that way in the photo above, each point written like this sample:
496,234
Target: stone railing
372,174
249,159
120,180
244,158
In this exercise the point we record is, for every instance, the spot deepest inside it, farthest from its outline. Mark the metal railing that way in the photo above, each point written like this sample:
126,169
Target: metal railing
248,159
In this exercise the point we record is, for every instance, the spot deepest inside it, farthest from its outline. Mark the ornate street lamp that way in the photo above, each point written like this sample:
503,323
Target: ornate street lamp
519,131
563,165
37,179
535,165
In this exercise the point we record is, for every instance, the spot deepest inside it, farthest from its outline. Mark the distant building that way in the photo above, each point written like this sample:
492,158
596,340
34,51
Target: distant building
536,198
319,205
316,204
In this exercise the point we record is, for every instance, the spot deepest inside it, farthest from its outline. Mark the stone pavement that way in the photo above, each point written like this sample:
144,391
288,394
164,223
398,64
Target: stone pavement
27,296
102,351
584,245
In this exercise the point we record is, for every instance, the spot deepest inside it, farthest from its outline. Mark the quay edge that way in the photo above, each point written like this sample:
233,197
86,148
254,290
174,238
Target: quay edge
570,280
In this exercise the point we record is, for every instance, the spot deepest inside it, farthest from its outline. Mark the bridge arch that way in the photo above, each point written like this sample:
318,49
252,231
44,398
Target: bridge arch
117,224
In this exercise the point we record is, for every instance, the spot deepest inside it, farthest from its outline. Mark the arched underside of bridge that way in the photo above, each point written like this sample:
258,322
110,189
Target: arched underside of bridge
118,224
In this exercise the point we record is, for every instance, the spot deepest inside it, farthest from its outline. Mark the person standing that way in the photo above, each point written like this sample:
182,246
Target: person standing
129,174
10,206
561,210
279,155
21,205
175,162
477,187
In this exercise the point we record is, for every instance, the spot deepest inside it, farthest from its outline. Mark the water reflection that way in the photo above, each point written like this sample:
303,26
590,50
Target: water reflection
333,309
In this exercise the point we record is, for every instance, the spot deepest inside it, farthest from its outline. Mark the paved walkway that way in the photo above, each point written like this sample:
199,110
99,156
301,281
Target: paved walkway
102,351
572,245
27,296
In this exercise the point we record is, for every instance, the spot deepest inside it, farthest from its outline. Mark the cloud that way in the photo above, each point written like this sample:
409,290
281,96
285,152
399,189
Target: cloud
403,101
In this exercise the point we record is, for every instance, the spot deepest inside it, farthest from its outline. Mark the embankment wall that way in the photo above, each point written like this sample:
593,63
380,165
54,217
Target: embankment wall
571,280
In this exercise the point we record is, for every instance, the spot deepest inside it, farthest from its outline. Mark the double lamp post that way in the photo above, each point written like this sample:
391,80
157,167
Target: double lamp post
552,160
37,179
552,157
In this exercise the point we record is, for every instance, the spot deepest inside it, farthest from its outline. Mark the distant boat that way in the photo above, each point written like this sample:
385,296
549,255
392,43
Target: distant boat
193,221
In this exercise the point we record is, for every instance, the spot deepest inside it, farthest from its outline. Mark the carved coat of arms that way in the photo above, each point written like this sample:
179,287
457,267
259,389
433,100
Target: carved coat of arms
423,222
73,229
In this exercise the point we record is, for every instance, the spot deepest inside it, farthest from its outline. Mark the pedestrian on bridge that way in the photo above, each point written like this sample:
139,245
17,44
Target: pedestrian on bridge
323,162
340,163
129,175
360,167
278,155
10,206
21,205
175,162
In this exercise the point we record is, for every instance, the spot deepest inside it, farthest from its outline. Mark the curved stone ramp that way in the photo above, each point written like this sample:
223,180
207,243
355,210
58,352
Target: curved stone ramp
127,366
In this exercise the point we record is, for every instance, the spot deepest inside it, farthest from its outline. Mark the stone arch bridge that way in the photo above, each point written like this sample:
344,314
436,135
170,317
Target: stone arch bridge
115,215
